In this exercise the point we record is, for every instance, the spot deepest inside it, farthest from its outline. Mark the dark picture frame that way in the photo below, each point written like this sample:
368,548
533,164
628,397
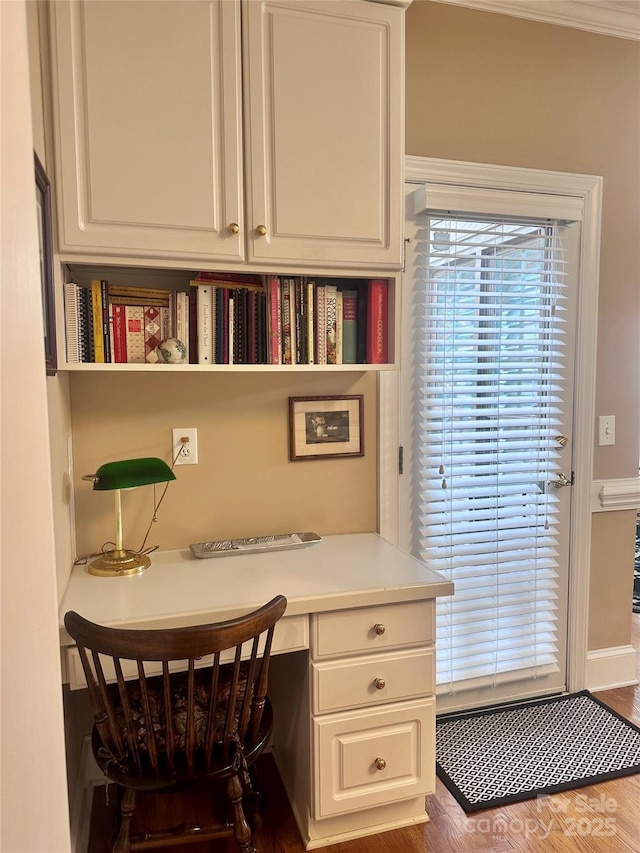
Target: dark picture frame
45,242
328,427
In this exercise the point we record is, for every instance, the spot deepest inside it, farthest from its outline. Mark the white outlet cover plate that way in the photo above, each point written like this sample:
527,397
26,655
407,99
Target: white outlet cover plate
189,456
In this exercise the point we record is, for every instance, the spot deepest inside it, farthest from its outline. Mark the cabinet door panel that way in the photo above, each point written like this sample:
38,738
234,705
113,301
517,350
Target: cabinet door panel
370,758
325,131
147,108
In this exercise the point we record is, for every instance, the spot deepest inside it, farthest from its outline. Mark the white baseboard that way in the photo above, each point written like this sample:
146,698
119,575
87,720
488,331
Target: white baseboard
609,668
89,775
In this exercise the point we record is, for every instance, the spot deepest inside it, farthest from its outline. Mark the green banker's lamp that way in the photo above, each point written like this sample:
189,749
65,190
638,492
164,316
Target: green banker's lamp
114,476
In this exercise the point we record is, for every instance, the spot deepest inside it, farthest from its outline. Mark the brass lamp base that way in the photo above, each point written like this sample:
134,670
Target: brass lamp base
118,563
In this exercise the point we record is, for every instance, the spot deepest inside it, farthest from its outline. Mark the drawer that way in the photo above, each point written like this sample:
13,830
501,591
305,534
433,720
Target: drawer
372,680
371,758
291,635
370,629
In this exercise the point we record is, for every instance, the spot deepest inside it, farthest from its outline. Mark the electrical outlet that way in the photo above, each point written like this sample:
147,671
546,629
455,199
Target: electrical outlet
184,452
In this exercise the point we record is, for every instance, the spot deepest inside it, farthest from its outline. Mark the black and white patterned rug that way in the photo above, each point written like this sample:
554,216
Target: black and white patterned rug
507,754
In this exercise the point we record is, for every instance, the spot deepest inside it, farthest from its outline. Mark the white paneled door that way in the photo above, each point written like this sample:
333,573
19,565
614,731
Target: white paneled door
487,389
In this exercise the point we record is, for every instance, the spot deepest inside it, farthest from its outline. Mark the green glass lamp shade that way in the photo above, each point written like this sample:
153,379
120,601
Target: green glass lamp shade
130,473
114,476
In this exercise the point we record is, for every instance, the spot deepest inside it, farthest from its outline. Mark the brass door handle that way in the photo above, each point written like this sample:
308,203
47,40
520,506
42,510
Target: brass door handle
380,763
380,683
261,230
379,629
233,227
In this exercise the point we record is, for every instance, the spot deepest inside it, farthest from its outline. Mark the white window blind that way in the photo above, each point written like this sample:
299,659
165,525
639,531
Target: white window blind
488,373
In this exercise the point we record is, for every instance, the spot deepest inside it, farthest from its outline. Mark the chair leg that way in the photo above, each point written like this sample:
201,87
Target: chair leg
242,831
254,799
127,806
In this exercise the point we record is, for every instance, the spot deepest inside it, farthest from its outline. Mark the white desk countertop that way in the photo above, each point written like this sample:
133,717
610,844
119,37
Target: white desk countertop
349,570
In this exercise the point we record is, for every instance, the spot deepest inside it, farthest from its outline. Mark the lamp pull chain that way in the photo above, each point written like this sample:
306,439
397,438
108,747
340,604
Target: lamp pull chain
118,500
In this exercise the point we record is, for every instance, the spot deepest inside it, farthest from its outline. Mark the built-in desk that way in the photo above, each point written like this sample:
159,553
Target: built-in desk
353,673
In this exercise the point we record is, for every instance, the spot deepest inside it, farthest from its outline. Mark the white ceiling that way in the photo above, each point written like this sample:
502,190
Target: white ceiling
620,18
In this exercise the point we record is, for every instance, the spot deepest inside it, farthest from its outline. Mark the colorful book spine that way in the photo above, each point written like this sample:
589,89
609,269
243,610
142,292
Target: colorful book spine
72,311
182,319
166,323
226,293
310,287
286,322
320,309
275,320
349,326
300,323
252,338
233,280
261,329
112,356
377,321
293,326
219,297
152,332
231,334
213,326
88,354
106,325
193,325
139,294
96,314
339,327
331,319
134,331
242,299
205,340
119,334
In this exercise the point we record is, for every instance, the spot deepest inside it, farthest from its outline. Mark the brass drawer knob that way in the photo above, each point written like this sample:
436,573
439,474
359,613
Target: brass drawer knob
262,230
379,628
380,763
233,227
380,683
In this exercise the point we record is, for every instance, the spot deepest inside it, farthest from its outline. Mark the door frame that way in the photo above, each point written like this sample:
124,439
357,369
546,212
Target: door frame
588,189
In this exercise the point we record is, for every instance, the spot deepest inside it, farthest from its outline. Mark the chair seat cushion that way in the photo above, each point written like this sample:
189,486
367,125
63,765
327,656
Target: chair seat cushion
179,709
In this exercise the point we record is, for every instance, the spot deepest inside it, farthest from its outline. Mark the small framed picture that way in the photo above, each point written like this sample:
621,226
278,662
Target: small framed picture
45,240
326,427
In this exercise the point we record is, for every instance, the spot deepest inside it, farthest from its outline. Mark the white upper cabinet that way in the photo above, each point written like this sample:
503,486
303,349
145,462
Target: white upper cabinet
160,151
324,131
147,111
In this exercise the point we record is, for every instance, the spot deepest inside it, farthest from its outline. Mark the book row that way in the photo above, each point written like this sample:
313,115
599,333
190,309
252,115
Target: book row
111,323
227,319
293,320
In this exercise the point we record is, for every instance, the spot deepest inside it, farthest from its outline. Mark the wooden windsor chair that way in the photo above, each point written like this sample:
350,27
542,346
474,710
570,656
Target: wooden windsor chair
204,717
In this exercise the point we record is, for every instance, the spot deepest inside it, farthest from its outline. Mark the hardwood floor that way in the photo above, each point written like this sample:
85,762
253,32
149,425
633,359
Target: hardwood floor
603,818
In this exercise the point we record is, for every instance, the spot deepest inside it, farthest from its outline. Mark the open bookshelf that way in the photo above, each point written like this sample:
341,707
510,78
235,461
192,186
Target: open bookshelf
112,318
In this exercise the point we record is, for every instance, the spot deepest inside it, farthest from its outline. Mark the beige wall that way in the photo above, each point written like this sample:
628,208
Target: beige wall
244,484
33,797
495,89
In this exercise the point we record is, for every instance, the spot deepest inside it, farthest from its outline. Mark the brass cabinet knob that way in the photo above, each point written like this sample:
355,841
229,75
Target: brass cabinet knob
262,230
380,763
380,683
379,628
233,227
